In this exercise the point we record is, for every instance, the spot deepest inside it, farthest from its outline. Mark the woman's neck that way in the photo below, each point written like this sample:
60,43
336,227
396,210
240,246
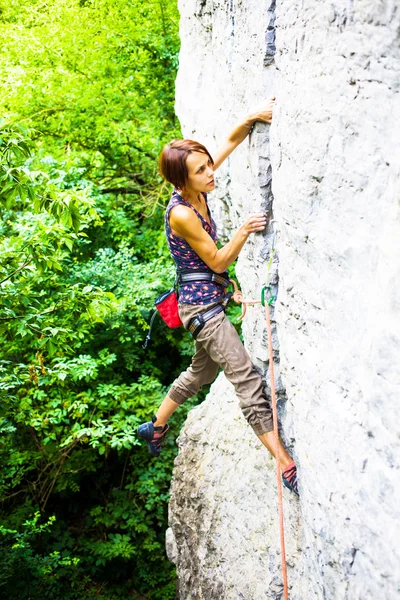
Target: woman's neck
192,197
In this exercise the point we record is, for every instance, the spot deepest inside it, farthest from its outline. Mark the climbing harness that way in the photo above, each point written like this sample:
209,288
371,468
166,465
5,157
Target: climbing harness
167,303
197,323
267,298
187,276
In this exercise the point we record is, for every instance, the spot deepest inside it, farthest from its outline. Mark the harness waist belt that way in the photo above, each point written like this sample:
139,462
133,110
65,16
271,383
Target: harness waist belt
198,322
191,276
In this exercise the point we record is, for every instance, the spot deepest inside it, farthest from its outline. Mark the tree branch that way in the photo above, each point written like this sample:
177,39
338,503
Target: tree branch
120,190
48,311
17,270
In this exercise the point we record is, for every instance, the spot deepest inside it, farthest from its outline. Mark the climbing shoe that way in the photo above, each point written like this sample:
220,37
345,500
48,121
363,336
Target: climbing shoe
289,478
154,436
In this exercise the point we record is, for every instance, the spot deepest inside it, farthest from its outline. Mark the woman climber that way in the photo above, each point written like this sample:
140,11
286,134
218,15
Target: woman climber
201,272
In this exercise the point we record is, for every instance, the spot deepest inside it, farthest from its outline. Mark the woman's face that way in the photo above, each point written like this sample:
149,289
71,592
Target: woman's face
200,173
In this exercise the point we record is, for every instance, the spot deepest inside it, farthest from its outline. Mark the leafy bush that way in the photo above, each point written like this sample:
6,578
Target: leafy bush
24,571
82,256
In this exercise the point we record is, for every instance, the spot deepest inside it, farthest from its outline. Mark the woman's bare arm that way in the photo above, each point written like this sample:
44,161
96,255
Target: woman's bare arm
241,130
188,226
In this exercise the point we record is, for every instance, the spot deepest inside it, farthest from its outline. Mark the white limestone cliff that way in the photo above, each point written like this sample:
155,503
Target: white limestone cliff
328,169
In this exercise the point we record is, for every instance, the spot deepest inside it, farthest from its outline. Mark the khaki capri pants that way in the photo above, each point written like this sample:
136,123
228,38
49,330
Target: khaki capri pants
218,346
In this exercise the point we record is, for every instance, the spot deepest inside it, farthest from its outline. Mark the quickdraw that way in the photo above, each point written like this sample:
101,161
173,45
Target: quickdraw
237,297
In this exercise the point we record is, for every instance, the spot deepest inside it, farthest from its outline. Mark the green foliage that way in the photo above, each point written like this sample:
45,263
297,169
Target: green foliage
27,573
97,78
82,256
15,148
40,226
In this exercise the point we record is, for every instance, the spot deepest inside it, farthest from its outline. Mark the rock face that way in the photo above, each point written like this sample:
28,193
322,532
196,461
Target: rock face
328,169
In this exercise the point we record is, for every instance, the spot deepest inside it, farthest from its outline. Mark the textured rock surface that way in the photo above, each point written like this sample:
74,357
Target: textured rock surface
226,532
335,178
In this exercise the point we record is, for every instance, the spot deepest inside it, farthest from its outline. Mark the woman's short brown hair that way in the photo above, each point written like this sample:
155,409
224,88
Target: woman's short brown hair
172,161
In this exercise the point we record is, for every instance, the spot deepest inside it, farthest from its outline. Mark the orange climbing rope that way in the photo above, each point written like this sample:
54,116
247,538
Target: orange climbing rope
278,459
238,297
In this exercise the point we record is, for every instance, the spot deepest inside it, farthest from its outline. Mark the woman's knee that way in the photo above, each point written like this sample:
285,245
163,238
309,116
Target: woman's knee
210,375
190,382
182,389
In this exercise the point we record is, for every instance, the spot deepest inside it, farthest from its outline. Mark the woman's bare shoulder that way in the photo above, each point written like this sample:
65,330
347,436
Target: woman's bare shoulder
181,213
184,220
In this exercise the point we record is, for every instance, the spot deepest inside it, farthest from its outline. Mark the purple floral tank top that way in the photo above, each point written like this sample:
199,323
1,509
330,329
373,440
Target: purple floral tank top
202,292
